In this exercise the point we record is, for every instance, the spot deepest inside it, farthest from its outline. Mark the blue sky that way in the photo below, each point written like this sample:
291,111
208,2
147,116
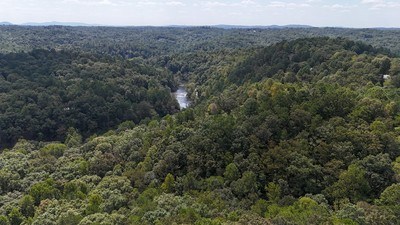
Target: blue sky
350,13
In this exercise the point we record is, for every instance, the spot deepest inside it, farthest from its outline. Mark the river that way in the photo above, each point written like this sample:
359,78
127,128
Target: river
181,97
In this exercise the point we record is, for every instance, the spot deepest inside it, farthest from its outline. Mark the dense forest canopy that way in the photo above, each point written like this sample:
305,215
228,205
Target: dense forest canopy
43,93
129,42
304,131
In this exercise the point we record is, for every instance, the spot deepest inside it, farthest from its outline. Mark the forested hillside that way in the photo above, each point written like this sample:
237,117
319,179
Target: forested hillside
44,93
152,42
300,132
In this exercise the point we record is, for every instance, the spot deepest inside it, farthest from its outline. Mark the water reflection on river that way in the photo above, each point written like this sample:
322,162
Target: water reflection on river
182,98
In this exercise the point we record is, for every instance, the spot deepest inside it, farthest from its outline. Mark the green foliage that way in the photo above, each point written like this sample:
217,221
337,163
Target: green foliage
102,218
396,168
274,192
288,56
350,214
352,184
69,218
303,211
56,150
89,92
8,180
73,139
207,221
213,183
115,192
4,220
27,206
395,81
231,172
260,207
74,190
250,106
44,190
246,185
126,125
169,184
301,132
94,203
390,196
15,217
378,171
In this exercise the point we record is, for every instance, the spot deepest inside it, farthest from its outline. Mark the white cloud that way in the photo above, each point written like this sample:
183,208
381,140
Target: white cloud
93,2
340,6
175,3
380,4
214,4
205,12
219,4
160,3
372,1
288,5
248,2
147,3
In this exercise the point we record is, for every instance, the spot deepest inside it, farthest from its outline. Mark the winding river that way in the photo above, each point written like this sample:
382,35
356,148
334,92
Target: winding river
181,97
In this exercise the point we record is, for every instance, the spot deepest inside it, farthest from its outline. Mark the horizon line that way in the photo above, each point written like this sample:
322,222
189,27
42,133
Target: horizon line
232,26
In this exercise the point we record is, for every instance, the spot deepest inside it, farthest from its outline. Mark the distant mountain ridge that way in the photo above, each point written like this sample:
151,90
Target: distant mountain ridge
221,26
55,23
224,26
5,23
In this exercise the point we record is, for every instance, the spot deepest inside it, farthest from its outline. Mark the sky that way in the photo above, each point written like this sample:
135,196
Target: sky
343,13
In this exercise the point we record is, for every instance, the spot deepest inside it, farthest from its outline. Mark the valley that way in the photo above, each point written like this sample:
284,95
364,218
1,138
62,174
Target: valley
271,126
